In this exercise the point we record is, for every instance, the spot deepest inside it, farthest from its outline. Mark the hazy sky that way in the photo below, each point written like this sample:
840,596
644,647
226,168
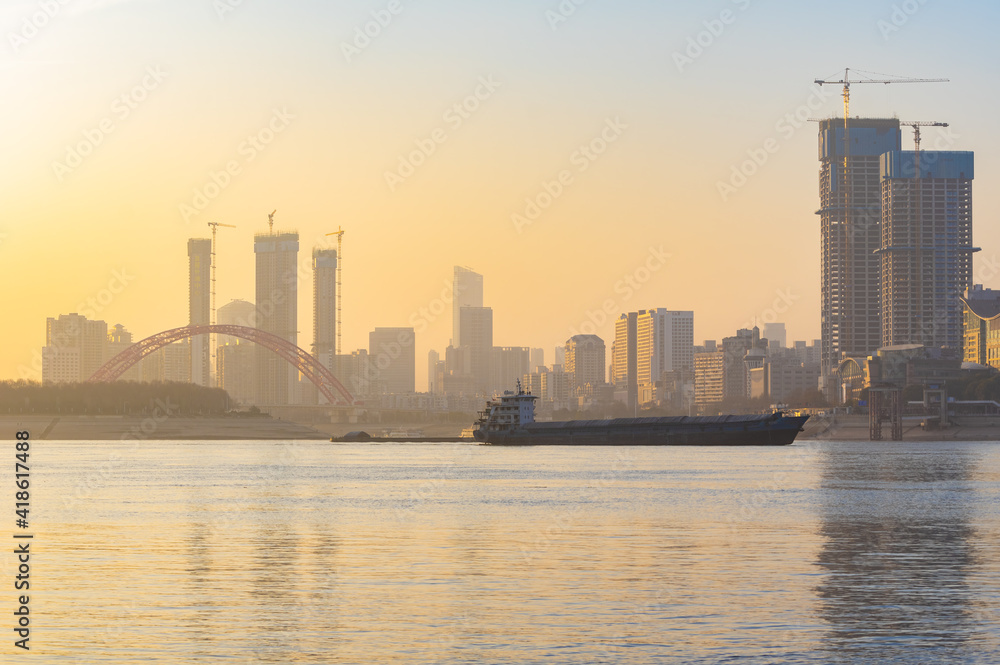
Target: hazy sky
119,113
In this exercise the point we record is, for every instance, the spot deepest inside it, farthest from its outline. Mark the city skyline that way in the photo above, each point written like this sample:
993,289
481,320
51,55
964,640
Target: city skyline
650,199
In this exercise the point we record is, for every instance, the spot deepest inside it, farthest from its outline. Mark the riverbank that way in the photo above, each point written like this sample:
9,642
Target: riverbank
111,428
855,428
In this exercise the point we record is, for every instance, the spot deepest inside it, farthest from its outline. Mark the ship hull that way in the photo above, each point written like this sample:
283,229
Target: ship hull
775,430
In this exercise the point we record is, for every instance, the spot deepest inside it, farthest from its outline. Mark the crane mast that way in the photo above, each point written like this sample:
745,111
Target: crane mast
212,338
340,291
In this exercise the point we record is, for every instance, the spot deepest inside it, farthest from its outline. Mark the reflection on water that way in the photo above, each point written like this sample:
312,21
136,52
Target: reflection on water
899,553
256,552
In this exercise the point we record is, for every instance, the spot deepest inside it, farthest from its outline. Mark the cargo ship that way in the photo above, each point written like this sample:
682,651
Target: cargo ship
509,420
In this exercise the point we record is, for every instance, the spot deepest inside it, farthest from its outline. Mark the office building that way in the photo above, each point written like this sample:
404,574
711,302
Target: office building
664,343
585,359
981,326
926,249
709,383
392,360
199,307
468,292
235,369
476,326
507,365
623,359
277,313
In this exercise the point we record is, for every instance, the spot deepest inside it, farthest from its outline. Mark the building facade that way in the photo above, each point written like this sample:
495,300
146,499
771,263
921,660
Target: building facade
585,361
850,217
277,313
926,249
200,307
467,292
392,360
75,348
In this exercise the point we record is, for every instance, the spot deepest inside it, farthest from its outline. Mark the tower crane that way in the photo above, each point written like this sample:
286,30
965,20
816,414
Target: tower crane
340,291
917,124
270,222
212,339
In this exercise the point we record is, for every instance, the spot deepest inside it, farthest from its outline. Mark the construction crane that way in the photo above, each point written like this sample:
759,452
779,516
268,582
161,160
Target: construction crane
212,340
270,222
340,291
846,266
917,124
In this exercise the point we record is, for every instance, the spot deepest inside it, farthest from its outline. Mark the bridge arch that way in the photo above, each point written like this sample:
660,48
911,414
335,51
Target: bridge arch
302,360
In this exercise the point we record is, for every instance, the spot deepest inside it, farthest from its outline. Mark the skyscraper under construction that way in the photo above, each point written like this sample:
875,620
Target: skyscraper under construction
850,227
277,313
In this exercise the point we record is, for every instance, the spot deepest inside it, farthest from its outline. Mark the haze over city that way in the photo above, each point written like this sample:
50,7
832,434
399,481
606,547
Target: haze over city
286,107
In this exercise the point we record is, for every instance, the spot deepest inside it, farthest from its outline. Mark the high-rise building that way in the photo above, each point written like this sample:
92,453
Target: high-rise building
585,358
664,343
200,307
468,292
507,365
537,359
850,232
623,358
324,346
926,251
277,313
75,348
476,326
391,353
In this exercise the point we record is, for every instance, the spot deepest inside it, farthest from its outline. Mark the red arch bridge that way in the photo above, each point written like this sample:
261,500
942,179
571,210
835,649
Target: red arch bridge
311,368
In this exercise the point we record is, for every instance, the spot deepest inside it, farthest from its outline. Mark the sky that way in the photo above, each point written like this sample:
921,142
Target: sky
587,157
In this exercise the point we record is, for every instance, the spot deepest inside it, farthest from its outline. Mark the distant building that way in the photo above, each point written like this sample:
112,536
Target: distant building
981,326
75,348
324,344
476,326
358,374
199,307
507,365
735,349
709,370
235,367
664,343
392,356
433,360
555,389
172,363
926,249
537,359
585,357
775,335
236,313
623,358
468,292
277,313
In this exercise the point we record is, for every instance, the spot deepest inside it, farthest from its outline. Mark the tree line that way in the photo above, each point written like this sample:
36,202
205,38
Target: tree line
124,398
